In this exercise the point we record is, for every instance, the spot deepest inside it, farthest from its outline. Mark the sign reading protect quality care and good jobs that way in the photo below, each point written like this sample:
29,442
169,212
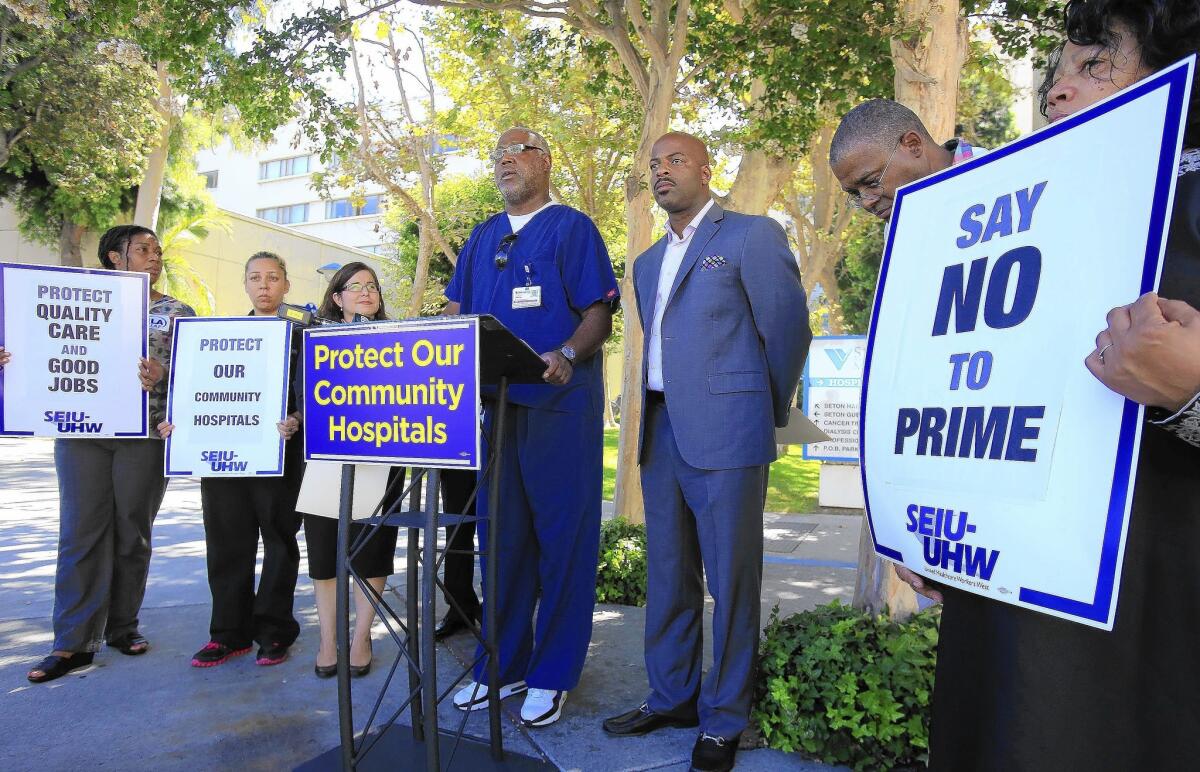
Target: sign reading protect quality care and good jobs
229,389
403,393
832,389
992,460
75,336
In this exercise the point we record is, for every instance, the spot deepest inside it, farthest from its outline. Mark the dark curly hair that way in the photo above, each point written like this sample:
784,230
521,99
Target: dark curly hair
116,239
1166,31
330,309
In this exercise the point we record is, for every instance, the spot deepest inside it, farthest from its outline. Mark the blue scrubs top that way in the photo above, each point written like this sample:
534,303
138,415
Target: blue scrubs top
560,251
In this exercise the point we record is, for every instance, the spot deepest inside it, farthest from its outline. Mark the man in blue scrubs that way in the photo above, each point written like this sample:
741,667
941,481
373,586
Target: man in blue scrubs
542,269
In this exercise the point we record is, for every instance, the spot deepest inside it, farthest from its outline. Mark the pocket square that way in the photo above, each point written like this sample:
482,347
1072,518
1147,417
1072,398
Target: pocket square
711,262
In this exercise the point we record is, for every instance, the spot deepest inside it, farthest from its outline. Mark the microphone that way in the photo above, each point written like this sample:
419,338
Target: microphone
300,315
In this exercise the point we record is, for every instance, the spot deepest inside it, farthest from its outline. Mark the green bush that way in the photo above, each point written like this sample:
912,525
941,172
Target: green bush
847,688
621,577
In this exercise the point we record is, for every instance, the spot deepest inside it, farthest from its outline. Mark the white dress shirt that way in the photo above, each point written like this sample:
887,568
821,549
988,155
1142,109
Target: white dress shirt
676,247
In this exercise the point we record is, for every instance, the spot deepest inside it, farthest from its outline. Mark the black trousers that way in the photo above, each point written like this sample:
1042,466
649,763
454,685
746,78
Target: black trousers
459,567
237,511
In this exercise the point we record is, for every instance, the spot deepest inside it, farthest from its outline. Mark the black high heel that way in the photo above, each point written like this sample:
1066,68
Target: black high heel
325,671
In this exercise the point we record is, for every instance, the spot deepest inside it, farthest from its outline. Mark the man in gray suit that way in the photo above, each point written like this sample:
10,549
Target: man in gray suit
726,336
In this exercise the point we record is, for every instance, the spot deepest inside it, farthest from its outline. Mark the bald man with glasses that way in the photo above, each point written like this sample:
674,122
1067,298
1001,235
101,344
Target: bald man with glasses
542,269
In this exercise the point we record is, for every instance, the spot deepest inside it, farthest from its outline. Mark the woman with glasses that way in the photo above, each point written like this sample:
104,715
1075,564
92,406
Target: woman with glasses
109,493
1020,690
353,294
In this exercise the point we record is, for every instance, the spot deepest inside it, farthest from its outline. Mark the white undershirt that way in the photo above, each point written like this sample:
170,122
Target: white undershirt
672,257
518,221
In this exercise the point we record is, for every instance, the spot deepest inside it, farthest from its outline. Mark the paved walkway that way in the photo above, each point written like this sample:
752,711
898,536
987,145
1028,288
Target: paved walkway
156,712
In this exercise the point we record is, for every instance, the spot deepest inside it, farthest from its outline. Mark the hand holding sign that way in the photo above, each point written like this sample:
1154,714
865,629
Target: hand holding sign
150,372
5,357
1151,352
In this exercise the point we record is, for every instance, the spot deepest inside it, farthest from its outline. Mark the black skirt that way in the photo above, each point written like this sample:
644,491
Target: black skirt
377,556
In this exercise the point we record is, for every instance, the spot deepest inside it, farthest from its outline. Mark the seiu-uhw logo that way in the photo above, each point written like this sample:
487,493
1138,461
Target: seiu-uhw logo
70,422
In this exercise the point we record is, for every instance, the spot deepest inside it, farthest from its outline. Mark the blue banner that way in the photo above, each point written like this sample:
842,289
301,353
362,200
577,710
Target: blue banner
403,393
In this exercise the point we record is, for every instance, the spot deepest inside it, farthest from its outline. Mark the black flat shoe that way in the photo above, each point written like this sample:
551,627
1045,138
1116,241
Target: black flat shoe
56,667
641,720
359,672
325,671
130,644
714,754
452,624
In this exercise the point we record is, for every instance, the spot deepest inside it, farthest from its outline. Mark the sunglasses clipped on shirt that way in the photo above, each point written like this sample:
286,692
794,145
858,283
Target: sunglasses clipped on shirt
503,249
515,149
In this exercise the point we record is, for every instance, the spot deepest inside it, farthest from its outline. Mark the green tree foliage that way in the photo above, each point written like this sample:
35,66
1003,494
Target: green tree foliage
858,272
985,99
461,203
503,70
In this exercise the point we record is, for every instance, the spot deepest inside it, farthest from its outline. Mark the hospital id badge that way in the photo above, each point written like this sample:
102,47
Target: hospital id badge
527,297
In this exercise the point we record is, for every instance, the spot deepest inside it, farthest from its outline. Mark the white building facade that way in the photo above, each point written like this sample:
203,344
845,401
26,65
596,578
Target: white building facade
275,183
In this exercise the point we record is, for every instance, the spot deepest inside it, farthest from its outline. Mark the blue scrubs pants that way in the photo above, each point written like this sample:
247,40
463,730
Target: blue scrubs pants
547,545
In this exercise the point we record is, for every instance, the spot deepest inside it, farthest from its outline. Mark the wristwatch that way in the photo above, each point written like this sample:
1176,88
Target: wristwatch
569,353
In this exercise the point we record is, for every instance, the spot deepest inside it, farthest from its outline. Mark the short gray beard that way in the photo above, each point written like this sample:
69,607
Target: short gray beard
519,190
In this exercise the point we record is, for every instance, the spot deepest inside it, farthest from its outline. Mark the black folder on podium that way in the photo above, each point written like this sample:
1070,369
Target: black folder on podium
504,359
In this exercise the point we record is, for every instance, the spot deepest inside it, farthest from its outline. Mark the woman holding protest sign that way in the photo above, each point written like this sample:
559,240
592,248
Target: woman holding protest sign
240,510
1019,690
109,492
353,294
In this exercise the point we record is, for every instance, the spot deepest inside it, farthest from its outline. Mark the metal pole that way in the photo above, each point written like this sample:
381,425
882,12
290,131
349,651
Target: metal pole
491,641
342,619
413,640
429,684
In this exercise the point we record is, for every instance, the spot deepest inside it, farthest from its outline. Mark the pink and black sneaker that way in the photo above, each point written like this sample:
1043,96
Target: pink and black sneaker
274,654
214,654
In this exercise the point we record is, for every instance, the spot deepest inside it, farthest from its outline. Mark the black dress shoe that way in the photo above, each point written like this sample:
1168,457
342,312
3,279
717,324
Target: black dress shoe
714,754
453,624
641,720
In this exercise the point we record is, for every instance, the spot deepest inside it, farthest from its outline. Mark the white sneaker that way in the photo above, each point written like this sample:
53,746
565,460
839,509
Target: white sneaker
542,707
474,695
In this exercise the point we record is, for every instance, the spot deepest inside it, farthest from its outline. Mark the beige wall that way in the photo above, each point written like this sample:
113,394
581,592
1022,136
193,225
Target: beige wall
219,259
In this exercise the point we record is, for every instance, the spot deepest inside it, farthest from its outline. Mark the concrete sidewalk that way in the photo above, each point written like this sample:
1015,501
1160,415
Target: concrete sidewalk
155,711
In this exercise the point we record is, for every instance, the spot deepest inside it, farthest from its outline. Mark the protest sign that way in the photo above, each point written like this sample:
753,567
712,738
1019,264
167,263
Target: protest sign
229,389
992,460
404,393
75,336
832,389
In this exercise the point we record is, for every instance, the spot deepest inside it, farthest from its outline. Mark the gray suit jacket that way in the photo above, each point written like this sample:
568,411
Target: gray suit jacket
734,338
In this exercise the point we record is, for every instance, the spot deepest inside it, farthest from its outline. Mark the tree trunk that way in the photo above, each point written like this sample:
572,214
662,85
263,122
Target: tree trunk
759,180
640,223
69,239
149,195
421,274
928,63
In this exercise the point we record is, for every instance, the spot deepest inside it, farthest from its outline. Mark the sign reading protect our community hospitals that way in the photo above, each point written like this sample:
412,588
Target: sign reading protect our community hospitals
229,388
403,393
75,336
992,460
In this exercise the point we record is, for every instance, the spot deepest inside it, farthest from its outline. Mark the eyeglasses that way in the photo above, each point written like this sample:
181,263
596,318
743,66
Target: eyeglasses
872,189
503,250
358,286
515,149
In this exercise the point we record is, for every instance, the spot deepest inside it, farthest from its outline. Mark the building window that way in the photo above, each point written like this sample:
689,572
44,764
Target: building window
285,215
210,179
374,249
344,207
284,167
